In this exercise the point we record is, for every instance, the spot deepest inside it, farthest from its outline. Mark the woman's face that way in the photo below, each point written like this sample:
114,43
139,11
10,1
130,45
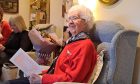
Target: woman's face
14,27
75,23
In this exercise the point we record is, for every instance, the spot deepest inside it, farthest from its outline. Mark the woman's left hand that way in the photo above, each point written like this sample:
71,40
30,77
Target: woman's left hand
35,79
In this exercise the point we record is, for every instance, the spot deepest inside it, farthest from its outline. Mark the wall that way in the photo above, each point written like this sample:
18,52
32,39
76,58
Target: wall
124,12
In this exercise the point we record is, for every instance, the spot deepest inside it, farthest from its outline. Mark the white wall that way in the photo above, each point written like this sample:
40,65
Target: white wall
124,12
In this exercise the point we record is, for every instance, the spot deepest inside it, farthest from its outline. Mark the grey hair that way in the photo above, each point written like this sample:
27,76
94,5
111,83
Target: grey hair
84,13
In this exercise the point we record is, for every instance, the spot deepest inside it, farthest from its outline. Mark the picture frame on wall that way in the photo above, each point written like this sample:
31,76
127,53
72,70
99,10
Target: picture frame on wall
39,12
10,6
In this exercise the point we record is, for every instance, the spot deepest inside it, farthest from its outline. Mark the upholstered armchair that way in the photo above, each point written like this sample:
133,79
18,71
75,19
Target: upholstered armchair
121,47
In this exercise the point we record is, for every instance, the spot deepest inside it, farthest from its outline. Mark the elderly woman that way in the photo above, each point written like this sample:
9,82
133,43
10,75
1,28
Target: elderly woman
78,58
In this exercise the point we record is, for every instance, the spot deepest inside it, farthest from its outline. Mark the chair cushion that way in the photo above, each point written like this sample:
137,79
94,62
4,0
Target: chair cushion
97,68
104,72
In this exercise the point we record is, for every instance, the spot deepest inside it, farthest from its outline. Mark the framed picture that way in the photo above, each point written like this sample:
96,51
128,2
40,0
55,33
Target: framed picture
39,12
9,6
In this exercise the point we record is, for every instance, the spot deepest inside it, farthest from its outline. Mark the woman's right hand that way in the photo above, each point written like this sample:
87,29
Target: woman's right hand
35,79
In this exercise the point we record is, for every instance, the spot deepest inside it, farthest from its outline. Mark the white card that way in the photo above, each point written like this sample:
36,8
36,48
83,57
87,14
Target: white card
24,62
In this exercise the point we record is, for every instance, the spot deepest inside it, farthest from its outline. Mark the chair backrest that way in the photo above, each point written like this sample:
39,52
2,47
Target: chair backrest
121,47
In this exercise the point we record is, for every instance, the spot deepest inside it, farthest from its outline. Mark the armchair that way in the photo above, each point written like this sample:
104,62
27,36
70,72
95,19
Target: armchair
121,46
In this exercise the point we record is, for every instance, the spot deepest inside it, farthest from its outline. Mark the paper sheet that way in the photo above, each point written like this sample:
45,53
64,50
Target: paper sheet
24,62
35,37
37,40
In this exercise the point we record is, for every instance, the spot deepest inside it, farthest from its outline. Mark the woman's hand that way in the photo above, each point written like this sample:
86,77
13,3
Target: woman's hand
35,79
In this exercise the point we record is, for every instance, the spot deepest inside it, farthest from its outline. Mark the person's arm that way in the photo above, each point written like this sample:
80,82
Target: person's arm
6,32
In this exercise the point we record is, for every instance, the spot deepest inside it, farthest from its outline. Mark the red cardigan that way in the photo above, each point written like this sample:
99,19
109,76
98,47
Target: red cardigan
75,63
6,32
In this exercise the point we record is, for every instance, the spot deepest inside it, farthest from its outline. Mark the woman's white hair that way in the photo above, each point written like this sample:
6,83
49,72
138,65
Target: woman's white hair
84,13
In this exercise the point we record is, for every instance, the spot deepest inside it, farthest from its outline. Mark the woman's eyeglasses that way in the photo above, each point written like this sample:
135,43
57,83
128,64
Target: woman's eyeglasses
73,18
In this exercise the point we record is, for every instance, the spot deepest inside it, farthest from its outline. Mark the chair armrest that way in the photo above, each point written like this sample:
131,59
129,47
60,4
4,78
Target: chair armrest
124,48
